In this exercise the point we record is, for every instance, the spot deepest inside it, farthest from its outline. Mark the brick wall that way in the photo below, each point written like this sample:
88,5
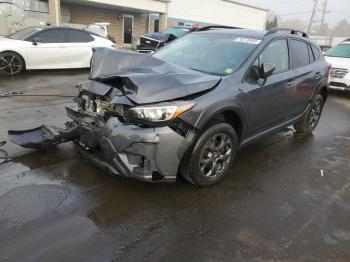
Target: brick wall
88,15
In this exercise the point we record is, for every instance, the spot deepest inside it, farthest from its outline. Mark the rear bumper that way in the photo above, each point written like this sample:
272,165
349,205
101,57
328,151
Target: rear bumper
147,154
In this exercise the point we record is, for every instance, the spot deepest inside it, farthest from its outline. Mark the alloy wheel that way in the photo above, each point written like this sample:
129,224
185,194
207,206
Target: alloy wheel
216,156
315,114
10,64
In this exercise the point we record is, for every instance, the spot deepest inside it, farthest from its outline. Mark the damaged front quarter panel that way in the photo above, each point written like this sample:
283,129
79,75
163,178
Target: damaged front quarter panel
118,82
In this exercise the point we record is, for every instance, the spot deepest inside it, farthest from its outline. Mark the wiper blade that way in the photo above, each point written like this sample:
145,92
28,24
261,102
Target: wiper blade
206,72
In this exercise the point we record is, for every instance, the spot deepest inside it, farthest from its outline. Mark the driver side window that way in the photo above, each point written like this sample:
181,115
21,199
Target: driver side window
275,53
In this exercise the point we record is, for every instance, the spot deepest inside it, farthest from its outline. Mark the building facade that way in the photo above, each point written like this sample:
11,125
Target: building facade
129,18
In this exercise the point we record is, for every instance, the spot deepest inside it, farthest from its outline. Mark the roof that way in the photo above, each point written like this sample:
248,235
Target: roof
253,33
241,32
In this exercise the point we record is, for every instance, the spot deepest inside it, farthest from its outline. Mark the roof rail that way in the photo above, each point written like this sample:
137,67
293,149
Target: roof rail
291,31
211,27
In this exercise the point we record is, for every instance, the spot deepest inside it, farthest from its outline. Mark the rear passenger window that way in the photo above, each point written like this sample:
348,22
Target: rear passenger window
300,53
316,52
311,55
76,36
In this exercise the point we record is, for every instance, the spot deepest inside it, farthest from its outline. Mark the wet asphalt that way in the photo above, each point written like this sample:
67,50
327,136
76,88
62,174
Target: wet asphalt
286,199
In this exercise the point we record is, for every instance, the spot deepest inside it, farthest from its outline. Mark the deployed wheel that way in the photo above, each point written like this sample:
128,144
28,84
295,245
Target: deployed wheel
212,156
11,63
311,118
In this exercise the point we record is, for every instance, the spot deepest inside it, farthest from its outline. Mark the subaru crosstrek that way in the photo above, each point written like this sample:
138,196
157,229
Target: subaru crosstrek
189,107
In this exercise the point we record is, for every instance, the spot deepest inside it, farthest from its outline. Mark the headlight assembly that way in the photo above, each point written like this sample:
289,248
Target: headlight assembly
159,113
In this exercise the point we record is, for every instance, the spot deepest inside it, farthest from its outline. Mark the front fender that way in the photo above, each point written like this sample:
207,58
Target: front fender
218,108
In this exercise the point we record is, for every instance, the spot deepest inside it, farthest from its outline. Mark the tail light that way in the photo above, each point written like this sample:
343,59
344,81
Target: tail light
329,67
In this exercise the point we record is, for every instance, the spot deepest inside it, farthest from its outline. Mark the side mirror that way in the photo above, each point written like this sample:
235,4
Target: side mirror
266,70
36,40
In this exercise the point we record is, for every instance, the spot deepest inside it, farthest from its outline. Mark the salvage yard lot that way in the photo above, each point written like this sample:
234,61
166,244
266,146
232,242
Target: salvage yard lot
287,198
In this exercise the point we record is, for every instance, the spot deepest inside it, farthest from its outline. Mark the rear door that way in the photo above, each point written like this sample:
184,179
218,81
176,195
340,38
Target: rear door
269,101
306,78
49,52
79,48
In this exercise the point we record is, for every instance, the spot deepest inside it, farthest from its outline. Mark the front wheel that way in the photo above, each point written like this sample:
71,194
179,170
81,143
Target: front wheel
11,63
309,122
212,157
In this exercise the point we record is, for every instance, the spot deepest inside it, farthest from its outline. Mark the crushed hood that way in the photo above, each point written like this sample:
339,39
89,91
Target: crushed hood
145,79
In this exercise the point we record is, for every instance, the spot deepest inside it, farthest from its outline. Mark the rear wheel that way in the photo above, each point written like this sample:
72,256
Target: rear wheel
212,157
312,117
11,63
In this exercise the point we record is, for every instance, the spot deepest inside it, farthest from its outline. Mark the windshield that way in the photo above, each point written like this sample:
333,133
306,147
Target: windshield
23,34
341,50
215,54
177,31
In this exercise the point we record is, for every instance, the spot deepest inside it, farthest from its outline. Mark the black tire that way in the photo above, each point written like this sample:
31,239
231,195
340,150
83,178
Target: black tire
309,122
216,149
11,63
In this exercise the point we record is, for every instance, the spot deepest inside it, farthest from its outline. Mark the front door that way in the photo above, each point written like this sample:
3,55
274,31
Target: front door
49,52
269,100
128,25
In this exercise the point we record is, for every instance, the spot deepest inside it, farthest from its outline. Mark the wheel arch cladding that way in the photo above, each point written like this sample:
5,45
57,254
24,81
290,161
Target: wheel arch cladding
324,93
228,116
17,53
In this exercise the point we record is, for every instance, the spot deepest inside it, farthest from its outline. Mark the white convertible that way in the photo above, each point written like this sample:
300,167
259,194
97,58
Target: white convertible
48,48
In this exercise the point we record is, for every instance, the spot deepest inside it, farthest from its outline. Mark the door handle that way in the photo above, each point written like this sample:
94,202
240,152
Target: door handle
290,83
318,75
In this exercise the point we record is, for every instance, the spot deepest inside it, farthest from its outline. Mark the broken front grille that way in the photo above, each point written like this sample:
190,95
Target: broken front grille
338,72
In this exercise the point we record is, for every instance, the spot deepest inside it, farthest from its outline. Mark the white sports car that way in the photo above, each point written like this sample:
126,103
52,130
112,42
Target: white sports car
48,48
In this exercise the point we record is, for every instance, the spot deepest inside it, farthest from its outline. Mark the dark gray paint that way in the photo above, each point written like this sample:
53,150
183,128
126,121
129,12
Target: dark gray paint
261,109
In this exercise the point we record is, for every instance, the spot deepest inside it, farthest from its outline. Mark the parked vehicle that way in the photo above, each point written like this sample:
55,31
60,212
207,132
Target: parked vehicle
151,42
48,48
339,58
182,110
325,48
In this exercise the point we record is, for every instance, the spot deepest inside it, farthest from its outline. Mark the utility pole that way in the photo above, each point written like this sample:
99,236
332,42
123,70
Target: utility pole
312,19
323,15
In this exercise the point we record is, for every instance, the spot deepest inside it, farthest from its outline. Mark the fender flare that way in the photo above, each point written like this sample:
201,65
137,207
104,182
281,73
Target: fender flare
220,107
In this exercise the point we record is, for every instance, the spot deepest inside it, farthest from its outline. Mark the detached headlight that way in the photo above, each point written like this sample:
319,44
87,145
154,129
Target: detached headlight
159,113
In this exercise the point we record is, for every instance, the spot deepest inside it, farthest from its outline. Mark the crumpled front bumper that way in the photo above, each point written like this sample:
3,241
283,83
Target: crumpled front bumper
148,154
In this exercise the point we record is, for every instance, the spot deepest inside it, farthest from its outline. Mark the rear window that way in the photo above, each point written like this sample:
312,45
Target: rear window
300,53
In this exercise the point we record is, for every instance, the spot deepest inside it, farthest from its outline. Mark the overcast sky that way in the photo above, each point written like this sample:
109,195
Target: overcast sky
302,9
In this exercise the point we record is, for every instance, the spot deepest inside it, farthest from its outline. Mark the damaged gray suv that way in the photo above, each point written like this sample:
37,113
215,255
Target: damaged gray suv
189,107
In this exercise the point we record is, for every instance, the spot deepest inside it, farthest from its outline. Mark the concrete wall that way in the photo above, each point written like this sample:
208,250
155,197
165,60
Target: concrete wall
158,6
219,12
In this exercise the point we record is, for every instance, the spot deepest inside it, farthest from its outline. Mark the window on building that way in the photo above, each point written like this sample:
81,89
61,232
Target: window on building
180,23
156,25
300,53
